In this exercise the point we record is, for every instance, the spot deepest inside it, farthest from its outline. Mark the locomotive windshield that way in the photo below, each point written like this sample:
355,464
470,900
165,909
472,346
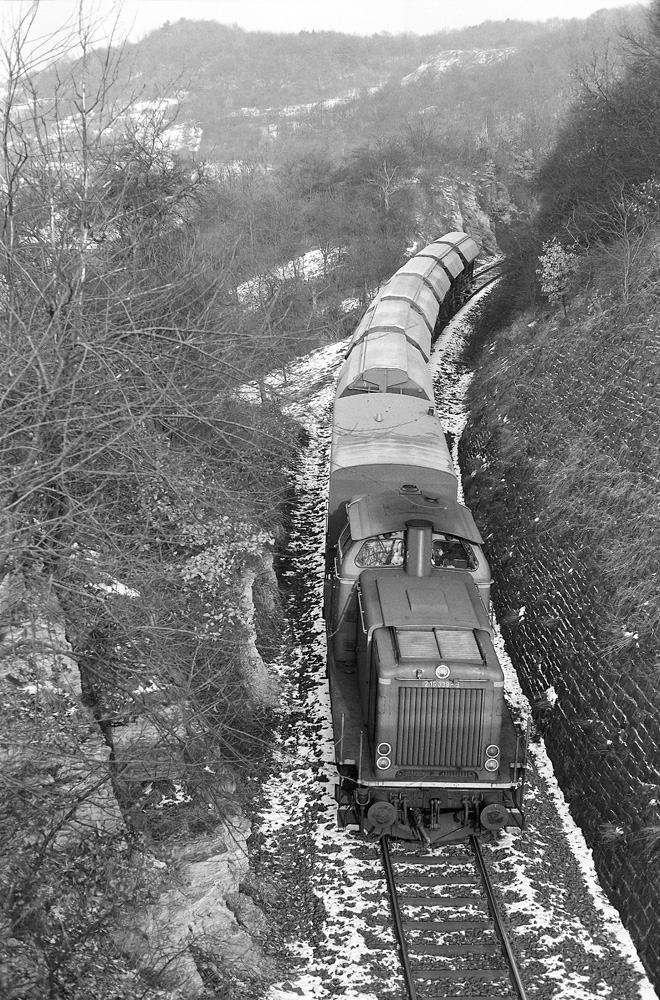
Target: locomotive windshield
381,551
388,550
452,553
448,552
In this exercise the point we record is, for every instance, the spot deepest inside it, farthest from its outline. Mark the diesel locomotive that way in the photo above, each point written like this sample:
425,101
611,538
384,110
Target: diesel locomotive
425,745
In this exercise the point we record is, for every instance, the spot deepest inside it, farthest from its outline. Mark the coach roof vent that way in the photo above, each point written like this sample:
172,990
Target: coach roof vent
418,548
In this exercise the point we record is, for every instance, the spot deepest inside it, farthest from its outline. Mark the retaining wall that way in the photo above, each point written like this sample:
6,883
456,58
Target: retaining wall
554,602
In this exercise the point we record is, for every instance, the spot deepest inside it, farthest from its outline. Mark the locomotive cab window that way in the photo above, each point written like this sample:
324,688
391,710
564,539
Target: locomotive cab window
448,552
451,553
344,543
384,550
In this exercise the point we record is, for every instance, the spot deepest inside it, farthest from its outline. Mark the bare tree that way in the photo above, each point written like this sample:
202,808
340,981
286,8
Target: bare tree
132,495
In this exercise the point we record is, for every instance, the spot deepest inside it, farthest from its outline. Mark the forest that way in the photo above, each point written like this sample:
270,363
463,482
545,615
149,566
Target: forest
143,283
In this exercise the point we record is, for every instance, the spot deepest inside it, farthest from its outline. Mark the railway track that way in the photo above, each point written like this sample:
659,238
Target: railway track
447,923
485,276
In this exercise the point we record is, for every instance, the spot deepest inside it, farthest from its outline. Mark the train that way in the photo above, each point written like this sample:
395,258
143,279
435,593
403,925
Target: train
425,745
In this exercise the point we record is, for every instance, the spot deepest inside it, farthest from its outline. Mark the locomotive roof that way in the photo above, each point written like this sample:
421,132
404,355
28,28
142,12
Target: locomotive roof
448,600
380,513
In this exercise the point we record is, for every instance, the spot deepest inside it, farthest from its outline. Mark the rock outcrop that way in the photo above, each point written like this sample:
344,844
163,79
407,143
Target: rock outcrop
125,787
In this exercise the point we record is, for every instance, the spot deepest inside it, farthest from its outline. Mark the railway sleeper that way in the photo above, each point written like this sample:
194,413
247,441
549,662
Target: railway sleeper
462,996
441,902
446,926
454,949
466,975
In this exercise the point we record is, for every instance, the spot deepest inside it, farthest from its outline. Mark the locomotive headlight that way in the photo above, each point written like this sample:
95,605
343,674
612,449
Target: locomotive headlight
442,671
385,749
493,750
492,764
383,763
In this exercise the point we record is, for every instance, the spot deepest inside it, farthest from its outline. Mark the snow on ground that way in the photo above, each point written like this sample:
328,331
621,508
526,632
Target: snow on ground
312,264
570,941
452,58
296,110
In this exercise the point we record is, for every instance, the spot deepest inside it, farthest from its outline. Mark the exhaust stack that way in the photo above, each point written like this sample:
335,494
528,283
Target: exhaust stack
418,548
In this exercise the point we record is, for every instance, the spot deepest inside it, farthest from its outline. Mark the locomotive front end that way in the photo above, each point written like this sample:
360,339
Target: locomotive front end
438,706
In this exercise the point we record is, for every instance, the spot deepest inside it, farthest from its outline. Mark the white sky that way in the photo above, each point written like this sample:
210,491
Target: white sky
138,17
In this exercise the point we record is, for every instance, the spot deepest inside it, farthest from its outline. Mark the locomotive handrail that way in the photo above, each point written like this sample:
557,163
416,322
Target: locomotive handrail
359,600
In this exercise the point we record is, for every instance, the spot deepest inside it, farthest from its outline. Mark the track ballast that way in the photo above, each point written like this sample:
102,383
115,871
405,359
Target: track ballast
448,926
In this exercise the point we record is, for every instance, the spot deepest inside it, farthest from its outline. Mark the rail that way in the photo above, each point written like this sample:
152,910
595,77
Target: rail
495,267
412,883
497,918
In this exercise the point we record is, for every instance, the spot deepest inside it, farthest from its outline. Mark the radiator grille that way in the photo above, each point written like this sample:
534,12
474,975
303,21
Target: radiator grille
457,645
439,727
427,644
417,645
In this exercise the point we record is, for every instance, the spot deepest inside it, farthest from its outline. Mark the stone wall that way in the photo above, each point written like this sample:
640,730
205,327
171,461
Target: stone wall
593,683
173,854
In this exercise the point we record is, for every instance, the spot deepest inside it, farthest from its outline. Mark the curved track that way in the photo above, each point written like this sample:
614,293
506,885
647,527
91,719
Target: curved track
485,276
448,926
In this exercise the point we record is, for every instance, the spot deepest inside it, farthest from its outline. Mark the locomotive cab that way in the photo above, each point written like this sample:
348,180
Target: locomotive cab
364,543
